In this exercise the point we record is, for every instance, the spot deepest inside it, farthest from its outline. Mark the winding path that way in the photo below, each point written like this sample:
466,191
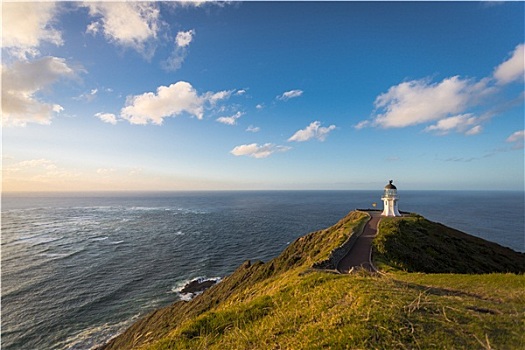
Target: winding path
360,254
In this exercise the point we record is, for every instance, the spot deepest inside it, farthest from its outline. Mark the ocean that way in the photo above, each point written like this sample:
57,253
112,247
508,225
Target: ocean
78,269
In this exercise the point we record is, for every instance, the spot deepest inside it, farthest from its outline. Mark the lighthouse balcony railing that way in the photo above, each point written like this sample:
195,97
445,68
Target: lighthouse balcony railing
390,194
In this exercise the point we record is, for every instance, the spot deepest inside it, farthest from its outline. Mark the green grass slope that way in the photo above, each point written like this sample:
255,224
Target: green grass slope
415,244
285,304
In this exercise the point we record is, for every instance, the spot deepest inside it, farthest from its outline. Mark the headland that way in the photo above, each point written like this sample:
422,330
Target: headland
439,287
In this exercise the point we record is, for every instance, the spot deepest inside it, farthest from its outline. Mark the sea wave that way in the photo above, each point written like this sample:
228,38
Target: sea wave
146,208
97,239
93,337
58,256
34,241
191,211
116,242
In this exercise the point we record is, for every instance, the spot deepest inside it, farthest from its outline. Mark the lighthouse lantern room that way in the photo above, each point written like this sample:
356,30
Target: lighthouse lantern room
390,200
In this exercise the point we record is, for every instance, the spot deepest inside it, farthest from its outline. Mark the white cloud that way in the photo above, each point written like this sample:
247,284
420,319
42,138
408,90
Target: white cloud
362,124
463,123
513,68
260,106
419,101
169,101
447,102
128,24
107,117
42,170
174,62
214,97
312,131
517,138
193,3
256,151
88,96
240,92
35,163
474,130
252,128
290,94
22,81
177,57
231,120
25,25
184,39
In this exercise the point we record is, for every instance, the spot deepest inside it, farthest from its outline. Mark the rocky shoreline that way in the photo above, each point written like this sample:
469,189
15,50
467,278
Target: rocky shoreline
198,285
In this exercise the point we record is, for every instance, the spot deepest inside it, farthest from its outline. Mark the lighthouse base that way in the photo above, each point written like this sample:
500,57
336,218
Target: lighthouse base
390,207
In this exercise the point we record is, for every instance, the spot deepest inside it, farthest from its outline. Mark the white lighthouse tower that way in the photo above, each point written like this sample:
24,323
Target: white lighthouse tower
390,200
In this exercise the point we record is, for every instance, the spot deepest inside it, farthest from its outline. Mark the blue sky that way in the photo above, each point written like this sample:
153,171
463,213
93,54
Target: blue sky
262,95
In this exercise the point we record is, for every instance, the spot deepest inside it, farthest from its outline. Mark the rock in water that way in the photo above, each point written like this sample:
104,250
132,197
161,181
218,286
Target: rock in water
197,286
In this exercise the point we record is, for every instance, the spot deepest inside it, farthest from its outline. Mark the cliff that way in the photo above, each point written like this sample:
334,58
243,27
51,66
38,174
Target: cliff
285,303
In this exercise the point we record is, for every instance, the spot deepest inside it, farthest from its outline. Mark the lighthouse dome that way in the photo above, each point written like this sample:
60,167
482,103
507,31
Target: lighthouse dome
390,186
390,199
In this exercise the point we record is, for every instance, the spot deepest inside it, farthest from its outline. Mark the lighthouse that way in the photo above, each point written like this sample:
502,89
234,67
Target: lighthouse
390,200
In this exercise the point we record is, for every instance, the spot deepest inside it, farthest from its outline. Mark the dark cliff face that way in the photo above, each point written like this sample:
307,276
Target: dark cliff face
415,244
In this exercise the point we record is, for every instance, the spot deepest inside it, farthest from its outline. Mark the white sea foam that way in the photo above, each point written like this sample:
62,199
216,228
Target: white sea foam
116,242
179,286
188,296
58,256
96,239
191,211
93,337
99,208
145,208
35,240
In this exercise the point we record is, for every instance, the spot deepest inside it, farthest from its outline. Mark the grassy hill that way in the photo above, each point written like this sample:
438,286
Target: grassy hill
415,244
286,304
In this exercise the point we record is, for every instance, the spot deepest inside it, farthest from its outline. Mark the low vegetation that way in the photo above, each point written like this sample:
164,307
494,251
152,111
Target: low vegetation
285,304
415,244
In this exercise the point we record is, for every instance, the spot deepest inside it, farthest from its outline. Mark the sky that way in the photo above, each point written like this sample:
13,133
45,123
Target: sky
166,96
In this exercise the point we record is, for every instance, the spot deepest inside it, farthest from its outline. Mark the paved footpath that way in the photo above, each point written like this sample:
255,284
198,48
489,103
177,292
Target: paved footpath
359,255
